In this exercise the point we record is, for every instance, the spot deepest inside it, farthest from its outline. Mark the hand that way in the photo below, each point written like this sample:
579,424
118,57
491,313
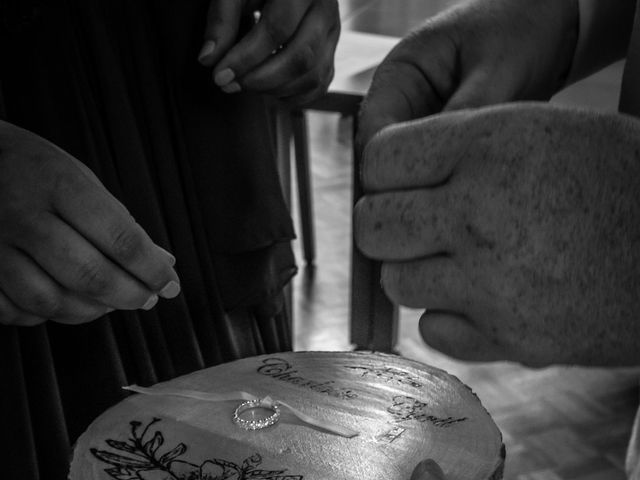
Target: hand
288,53
70,251
481,53
517,228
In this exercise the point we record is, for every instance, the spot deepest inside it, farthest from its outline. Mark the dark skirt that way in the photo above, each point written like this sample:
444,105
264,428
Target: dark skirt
116,84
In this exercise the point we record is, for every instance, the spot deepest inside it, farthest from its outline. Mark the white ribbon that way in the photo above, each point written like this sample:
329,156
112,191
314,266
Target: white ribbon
267,401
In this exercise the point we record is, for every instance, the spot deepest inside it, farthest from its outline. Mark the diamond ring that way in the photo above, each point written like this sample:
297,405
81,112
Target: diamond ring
255,423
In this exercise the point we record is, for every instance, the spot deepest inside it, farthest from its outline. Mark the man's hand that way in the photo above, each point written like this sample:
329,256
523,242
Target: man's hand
517,228
288,53
481,53
70,251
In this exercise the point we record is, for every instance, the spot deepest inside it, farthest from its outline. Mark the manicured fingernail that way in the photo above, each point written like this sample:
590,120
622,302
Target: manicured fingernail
206,52
172,259
224,77
233,87
170,290
153,299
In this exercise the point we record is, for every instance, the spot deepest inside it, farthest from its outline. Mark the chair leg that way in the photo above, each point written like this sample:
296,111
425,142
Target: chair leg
305,188
374,319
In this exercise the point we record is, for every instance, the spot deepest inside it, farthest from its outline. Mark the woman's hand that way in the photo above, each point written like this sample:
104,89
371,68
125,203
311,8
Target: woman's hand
481,53
70,251
288,53
516,227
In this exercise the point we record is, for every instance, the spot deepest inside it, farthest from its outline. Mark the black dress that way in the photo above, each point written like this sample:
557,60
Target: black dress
116,84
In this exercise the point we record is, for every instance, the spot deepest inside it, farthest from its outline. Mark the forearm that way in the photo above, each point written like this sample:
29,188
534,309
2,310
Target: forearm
605,28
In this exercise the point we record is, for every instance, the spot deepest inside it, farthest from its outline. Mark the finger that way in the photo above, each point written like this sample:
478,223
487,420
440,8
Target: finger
421,153
428,470
305,89
79,267
69,179
305,63
105,223
389,102
303,99
435,283
405,225
456,336
33,291
96,181
481,88
221,31
12,316
278,23
93,178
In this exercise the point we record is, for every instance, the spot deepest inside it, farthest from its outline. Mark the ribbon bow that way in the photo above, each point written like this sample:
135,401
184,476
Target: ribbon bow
267,401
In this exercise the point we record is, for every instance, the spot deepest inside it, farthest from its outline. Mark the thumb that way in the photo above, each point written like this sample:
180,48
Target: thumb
221,31
427,470
481,89
398,93
413,81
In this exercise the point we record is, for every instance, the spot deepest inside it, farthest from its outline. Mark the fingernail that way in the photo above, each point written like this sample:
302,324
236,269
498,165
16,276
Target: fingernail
153,299
233,87
170,290
224,77
206,53
172,259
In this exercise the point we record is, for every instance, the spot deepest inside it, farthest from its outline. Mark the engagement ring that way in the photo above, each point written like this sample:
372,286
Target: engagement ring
253,418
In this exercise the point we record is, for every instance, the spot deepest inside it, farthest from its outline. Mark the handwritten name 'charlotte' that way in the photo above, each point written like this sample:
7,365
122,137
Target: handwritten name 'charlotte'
282,370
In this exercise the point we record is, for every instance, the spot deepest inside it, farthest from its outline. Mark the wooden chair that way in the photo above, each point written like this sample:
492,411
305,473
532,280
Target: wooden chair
373,318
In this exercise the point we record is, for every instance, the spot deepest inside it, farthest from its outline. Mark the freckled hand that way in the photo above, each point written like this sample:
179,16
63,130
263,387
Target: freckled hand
498,221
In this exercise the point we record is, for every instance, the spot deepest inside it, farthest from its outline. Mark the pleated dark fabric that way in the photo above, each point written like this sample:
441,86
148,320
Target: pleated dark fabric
116,84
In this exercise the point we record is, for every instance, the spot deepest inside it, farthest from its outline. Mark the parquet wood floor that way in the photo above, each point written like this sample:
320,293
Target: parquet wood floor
557,423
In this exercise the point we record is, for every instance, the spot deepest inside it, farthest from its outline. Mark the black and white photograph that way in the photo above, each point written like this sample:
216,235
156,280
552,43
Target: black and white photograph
320,239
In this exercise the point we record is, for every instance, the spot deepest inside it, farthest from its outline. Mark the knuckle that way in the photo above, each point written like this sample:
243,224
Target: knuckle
275,31
304,60
93,279
127,245
46,304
